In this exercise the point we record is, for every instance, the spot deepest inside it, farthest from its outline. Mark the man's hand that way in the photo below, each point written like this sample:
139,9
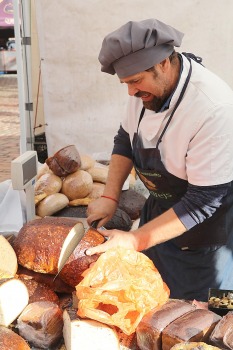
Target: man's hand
101,209
115,238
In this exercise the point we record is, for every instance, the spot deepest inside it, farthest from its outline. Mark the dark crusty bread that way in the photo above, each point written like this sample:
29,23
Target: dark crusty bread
149,330
120,220
132,203
57,285
39,291
9,340
65,161
196,326
39,243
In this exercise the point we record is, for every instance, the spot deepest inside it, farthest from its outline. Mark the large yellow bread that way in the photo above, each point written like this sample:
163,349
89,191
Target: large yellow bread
39,243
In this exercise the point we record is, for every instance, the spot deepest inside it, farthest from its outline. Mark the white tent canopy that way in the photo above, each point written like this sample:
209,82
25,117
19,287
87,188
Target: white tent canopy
83,106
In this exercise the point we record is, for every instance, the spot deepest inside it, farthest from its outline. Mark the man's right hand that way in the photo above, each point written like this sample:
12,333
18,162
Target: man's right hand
102,209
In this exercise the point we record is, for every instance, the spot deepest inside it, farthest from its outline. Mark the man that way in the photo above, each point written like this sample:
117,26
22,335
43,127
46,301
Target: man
178,134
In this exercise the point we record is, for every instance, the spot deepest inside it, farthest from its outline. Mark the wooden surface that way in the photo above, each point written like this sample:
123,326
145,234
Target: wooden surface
9,124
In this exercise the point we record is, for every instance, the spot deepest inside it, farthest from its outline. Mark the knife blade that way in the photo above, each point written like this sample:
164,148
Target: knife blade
73,238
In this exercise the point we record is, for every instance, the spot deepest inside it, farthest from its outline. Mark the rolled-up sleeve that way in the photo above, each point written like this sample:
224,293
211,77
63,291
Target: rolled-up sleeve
200,203
122,144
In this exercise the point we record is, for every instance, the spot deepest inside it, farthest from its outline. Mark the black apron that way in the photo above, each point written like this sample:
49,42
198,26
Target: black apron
191,256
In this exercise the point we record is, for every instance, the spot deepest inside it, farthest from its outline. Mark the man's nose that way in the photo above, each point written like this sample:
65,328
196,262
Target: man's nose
132,90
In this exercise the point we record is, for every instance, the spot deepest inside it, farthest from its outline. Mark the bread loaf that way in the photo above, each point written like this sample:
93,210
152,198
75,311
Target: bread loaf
195,326
65,161
132,203
14,298
43,169
41,324
87,162
119,221
87,334
78,262
48,183
194,346
9,340
97,190
149,330
57,285
99,173
51,204
225,324
41,254
8,259
39,291
228,338
77,185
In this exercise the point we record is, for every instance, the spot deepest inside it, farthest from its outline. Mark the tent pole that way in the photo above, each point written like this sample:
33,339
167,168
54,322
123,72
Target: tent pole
22,26
20,77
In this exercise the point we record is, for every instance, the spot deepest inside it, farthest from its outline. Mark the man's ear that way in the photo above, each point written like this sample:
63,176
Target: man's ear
164,64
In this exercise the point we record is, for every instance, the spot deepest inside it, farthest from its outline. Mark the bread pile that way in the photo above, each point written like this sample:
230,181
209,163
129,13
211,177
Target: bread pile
39,312
67,182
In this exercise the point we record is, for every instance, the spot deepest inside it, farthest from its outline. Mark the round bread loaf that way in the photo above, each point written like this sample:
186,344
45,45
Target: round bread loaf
39,243
97,190
48,183
65,161
87,162
77,185
132,203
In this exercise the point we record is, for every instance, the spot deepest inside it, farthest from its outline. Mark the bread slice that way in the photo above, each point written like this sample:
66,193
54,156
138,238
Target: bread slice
8,259
13,299
87,334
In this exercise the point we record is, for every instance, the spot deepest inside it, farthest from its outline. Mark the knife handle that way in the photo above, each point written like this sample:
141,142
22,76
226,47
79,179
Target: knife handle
94,223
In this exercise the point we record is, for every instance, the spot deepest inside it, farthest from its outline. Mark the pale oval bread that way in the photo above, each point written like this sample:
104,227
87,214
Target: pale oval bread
8,258
52,204
87,162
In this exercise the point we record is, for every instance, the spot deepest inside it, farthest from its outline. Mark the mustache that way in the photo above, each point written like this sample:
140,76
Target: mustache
140,93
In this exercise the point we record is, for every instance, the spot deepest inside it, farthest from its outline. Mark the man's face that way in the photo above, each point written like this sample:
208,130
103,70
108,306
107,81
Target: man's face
153,87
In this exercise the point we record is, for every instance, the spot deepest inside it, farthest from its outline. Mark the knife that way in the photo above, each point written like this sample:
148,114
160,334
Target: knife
70,243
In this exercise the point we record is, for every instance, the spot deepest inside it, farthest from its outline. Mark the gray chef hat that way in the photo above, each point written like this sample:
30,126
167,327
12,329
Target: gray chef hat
137,46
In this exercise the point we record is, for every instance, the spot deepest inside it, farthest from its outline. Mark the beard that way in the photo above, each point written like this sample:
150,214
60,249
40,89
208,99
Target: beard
158,101
155,104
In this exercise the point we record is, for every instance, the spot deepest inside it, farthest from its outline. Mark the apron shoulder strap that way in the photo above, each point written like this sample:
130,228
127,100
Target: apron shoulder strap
193,57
